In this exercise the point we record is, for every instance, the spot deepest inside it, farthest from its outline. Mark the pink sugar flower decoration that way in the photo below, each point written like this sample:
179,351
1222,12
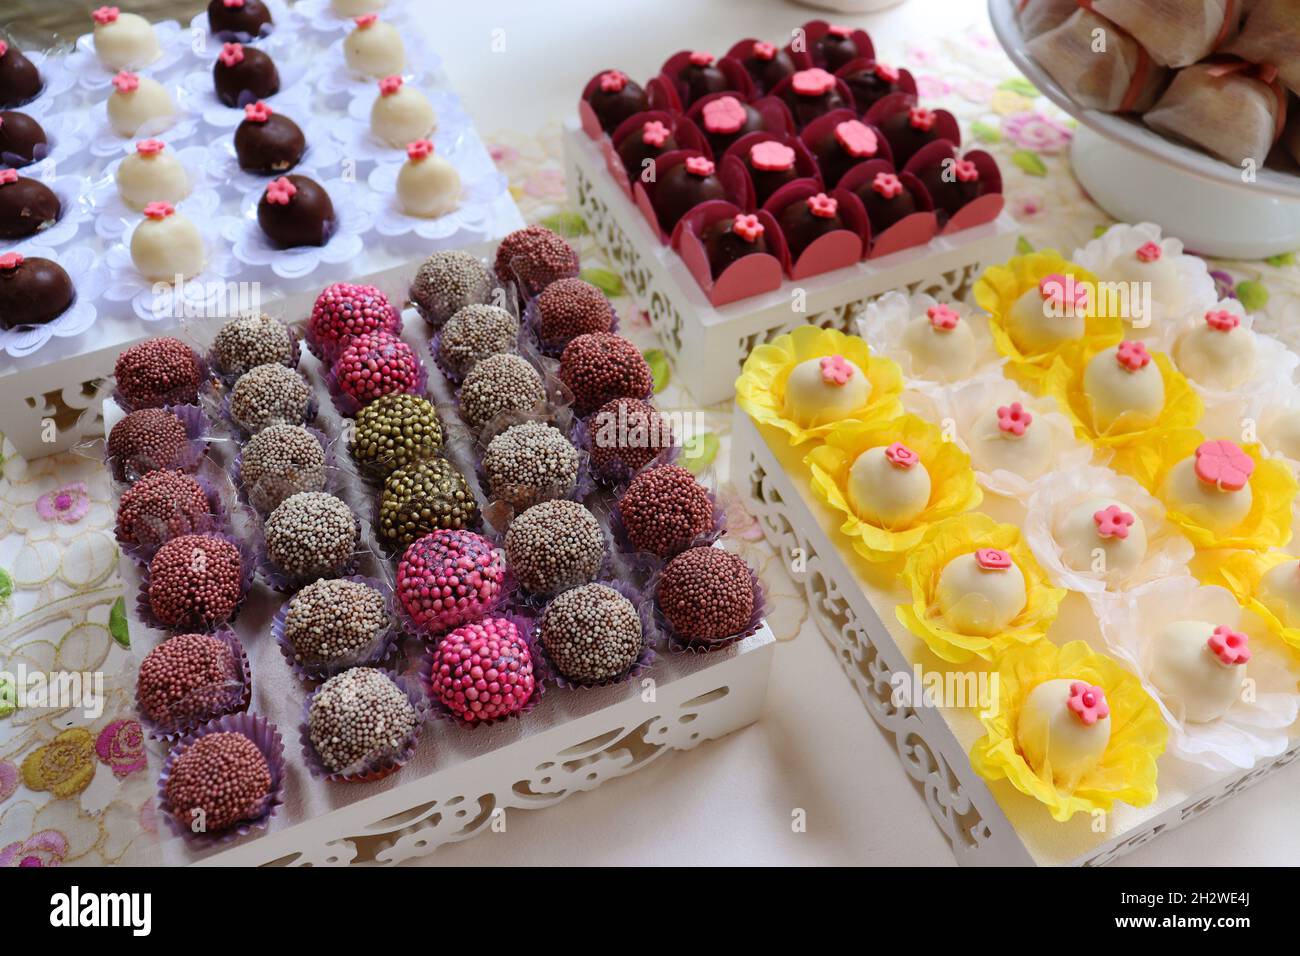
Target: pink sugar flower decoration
104,15
1222,463
921,118
654,133
966,171
701,58
942,317
1014,419
814,82
992,559
1113,522
149,147
390,85
126,82
10,261
366,20
900,456
1231,647
856,138
1063,290
771,156
1132,355
699,166
280,191
836,370
612,81
8,176
158,209
823,205
1221,320
1088,703
235,4
258,112
885,72
231,53
747,227
839,30
724,115
763,50
419,149
66,505
887,184
1149,252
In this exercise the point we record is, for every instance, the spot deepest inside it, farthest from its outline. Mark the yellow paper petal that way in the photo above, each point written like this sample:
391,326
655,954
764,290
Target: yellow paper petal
1240,572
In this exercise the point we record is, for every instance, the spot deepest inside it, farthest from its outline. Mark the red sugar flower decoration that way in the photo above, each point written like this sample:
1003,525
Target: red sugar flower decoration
942,317
366,20
747,227
148,147
126,82
654,133
887,184
233,3
4,48
839,30
258,112
1221,320
900,456
1231,647
823,205
763,50
771,156
1224,464
700,58
390,85
1063,290
1149,252
885,72
105,15
280,191
814,82
836,370
1113,522
921,118
159,210
1132,356
612,81
724,115
966,171
856,138
10,261
992,559
1088,703
231,53
699,166
419,149
8,176
1014,419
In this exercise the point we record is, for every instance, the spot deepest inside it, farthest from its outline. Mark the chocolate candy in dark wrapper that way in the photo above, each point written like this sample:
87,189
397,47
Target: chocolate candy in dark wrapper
299,216
33,291
26,206
243,74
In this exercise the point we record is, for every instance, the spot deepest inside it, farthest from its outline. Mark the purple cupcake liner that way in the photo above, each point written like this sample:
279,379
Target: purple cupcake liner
309,416
217,518
649,639
295,357
334,477
380,647
552,348
247,561
677,644
198,435
347,406
377,766
174,399
278,580
240,693
261,732
617,475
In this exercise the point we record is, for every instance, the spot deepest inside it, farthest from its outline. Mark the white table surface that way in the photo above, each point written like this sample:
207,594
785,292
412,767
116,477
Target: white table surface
731,801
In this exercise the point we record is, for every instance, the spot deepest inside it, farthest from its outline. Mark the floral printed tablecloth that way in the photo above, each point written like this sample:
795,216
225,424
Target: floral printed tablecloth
77,789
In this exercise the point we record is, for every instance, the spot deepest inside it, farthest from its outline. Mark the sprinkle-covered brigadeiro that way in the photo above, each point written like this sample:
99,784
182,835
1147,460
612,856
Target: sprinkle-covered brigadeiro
248,341
395,430
449,578
280,461
591,633
424,496
664,509
374,365
625,435
483,671
219,780
528,463
447,282
344,311
162,505
157,372
144,441
706,594
498,384
474,333
269,395
356,716
535,257
194,581
600,367
571,307
335,620
187,680
555,545
311,534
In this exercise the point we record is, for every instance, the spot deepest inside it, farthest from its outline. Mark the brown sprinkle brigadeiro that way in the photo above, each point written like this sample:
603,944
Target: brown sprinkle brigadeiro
358,715
334,620
591,633
528,463
706,594
269,395
499,383
162,505
555,545
311,534
447,282
535,256
570,307
194,581
219,780
188,679
157,372
601,366
474,333
664,509
144,441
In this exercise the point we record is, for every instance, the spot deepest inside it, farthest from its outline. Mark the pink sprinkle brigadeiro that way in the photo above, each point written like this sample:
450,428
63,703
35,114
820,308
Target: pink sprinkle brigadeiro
449,578
156,372
194,581
376,364
162,505
344,311
483,671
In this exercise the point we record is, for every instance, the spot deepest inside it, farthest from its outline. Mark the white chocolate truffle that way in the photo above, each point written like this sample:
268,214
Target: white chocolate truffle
1103,536
1007,438
941,344
1218,353
1124,387
151,173
1149,264
356,8
139,106
166,244
1058,740
975,599
124,41
1042,318
1185,666
888,486
824,390
427,185
374,48
1279,591
1282,433
401,114
1207,502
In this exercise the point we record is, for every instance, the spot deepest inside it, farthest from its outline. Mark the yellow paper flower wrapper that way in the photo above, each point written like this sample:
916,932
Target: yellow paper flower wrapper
1138,735
953,489
1000,287
950,539
1240,572
760,389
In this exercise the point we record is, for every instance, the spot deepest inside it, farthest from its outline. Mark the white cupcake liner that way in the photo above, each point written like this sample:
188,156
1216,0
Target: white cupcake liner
352,132
319,15
284,24
481,187
113,217
333,77
89,278
173,50
293,98
73,215
57,79
103,142
64,152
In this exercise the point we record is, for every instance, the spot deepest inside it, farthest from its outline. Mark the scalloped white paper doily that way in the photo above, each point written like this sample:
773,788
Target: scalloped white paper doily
88,277
73,215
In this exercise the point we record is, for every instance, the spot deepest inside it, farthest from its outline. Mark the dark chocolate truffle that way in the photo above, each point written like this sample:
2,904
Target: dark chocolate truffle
219,780
700,77
886,200
269,395
157,372
335,621
160,506
771,165
664,509
684,187
357,717
812,93
243,74
311,534
555,545
528,463
869,83
951,186
908,130
840,149
278,462
614,97
835,48
22,139
187,680
651,141
267,141
767,64
726,119
426,496
600,366
572,307
20,81
242,19
296,211
393,431
474,333
591,634
195,581
447,282
33,290
625,436
250,340
706,594
500,383
734,238
535,257
805,221
144,441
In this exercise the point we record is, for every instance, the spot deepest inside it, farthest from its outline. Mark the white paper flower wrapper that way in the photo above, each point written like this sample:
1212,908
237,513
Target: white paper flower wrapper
284,22
73,214
1062,490
334,77
89,276
113,217
64,148
173,51
1250,730
352,132
293,98
319,15
1271,415
57,78
322,153
104,142
480,187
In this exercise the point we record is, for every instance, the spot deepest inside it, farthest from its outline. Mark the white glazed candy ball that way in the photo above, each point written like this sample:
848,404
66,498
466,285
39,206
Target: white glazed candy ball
1064,729
1103,536
401,113
1210,492
1279,591
1201,665
1149,264
941,344
1047,315
166,244
823,390
1217,353
1007,438
124,41
981,593
889,486
427,185
1282,433
356,8
374,48
139,105
151,173
1124,387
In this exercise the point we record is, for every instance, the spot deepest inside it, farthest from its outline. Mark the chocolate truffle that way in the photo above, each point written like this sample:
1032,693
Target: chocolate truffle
428,186
625,435
267,141
278,462
242,19
269,395
188,680
393,431
144,441
651,141
733,238
664,509
151,173
344,311
358,717
374,48
555,545
869,83
908,130
771,165
166,244
448,578
699,77
614,97
160,506
250,340
498,384
950,191
535,257
601,366
296,211
448,281
123,41
20,81
474,333
848,144
726,119
374,365
805,221
483,671
886,200
243,74
139,105
767,65
812,93
401,114
591,634
157,372
425,496
571,307
22,139
221,779
706,594
33,290
334,622
310,535
195,581
835,48
528,463
684,187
